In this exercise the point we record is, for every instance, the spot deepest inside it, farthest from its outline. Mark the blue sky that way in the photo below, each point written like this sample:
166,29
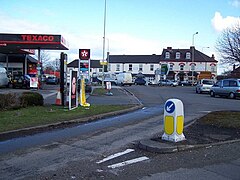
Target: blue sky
132,26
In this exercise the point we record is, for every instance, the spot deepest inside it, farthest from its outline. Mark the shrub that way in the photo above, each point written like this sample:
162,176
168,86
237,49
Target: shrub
9,101
31,99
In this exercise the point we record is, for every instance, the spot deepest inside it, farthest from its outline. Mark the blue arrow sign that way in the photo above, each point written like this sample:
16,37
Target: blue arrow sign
170,107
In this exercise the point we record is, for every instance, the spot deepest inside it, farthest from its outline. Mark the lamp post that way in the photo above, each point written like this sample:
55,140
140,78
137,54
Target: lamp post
205,62
104,32
193,49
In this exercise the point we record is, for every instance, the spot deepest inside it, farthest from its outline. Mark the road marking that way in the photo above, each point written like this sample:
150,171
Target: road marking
48,95
132,161
115,155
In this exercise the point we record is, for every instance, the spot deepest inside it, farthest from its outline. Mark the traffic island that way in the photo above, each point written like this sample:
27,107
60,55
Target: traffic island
205,132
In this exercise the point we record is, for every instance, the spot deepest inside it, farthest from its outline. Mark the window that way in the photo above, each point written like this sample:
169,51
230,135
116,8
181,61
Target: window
109,67
233,83
171,67
192,67
188,55
118,67
226,83
212,68
167,55
181,67
140,67
130,67
151,67
178,55
217,84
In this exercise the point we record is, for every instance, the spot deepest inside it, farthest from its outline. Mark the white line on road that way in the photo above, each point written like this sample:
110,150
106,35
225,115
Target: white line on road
115,155
132,161
48,95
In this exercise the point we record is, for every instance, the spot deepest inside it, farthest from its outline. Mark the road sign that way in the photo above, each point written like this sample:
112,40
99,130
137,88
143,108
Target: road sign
170,107
84,54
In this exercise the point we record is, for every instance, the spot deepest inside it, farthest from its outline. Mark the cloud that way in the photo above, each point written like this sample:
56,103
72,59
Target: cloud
220,23
235,3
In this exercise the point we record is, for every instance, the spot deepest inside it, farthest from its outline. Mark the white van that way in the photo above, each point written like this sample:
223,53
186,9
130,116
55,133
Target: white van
124,78
3,77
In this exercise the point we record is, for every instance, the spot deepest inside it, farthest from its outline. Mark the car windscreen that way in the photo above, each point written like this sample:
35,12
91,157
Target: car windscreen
16,77
208,82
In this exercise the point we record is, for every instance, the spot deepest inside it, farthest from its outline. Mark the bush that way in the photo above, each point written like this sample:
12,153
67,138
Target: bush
9,101
31,99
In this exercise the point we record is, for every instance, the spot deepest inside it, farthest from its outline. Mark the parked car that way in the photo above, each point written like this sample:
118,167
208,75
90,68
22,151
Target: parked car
88,85
124,78
4,80
140,81
52,80
167,82
204,85
185,83
21,81
226,87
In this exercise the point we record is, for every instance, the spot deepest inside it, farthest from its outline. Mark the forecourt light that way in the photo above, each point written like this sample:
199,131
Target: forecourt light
173,121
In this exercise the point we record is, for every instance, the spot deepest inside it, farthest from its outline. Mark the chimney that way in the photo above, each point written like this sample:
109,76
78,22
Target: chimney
213,57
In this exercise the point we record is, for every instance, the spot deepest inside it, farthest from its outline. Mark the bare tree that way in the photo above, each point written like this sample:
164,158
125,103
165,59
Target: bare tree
228,45
44,57
53,64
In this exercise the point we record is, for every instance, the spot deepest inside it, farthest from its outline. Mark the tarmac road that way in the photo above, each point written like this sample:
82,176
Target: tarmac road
76,158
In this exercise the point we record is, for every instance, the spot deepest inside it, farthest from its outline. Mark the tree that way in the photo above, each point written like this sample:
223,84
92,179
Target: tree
228,45
44,57
53,64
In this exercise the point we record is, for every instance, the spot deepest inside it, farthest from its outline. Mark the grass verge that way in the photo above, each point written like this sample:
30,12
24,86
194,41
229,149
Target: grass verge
42,115
225,119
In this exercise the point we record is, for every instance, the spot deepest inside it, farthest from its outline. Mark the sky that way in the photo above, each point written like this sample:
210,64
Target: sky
133,27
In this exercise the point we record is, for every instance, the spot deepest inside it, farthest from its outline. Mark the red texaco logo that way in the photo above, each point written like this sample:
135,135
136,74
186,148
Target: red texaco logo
84,54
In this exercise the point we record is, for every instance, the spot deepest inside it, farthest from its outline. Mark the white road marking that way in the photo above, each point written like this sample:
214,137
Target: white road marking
48,95
132,161
115,155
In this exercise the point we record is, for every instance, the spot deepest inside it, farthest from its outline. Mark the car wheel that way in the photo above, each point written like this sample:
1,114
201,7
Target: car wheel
231,95
212,94
196,91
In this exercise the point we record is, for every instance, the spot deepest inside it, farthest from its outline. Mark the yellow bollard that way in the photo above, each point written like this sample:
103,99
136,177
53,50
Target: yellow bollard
173,120
82,98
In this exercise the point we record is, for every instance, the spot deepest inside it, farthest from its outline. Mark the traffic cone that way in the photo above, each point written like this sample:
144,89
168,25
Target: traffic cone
58,99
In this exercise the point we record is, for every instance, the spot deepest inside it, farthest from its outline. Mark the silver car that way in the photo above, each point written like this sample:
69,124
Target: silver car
204,85
167,82
226,87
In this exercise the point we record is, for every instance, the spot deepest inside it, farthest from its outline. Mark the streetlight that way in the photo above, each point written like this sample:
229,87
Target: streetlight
193,38
193,49
104,32
205,62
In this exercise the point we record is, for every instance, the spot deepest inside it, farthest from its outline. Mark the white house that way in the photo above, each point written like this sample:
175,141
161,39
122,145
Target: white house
183,63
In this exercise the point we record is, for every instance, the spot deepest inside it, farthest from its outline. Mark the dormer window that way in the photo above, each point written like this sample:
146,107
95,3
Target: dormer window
188,55
178,55
167,55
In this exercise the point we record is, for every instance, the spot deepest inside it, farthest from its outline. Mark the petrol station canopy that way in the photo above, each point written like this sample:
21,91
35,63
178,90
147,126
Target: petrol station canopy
21,43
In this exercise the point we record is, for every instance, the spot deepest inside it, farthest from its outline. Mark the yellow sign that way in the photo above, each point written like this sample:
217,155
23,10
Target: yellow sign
104,63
